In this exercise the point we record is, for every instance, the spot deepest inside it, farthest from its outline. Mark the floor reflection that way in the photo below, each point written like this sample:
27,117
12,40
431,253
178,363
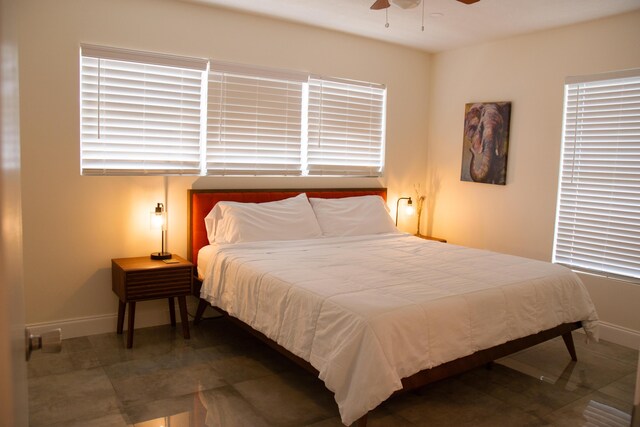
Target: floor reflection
209,408
183,419
595,414
599,414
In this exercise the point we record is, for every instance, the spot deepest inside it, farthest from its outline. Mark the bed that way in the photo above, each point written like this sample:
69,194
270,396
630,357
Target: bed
372,313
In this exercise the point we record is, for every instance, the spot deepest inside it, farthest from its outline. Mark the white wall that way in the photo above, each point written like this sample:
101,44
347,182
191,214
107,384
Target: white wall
74,225
529,71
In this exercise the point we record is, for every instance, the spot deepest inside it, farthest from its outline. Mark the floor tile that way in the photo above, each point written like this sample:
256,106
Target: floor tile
387,420
151,410
623,389
113,420
221,406
240,368
288,399
76,353
73,345
225,377
593,409
225,407
71,397
593,370
534,395
179,358
452,403
154,382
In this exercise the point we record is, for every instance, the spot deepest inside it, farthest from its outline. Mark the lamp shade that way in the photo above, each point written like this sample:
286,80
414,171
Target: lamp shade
409,210
157,217
158,221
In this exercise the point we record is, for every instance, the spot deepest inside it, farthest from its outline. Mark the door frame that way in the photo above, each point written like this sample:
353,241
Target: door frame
13,370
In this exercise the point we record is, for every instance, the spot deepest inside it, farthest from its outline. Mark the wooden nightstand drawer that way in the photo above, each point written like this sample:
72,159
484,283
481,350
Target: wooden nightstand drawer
143,278
149,284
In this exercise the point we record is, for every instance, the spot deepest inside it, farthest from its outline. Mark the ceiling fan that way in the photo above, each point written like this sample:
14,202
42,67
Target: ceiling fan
407,4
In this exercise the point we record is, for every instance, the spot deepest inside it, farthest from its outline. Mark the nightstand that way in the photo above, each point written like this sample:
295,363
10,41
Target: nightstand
437,239
142,278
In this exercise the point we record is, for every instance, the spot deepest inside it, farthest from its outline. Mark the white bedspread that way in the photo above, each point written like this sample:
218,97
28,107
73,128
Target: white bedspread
368,311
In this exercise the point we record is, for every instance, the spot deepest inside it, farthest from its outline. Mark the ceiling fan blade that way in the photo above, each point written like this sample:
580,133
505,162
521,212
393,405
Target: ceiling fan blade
468,1
380,4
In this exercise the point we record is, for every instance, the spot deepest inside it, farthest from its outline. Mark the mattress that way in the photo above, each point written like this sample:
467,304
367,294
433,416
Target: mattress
368,311
205,255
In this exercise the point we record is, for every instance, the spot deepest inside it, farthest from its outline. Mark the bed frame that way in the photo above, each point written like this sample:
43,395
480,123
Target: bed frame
200,203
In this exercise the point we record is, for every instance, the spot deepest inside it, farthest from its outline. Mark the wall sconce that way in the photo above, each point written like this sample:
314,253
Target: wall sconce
158,220
409,209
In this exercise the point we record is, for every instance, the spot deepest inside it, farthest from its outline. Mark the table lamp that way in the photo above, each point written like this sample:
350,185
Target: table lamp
158,220
409,207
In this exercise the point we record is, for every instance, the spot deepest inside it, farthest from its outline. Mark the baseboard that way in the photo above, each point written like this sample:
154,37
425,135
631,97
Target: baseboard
92,325
106,323
618,335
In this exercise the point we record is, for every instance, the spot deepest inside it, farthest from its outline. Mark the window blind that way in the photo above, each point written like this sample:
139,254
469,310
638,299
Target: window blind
346,128
155,114
254,124
140,112
598,218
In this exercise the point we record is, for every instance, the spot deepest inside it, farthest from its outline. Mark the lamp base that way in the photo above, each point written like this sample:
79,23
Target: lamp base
161,255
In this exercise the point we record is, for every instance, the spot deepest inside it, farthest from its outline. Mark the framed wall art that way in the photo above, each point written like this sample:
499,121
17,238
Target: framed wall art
485,142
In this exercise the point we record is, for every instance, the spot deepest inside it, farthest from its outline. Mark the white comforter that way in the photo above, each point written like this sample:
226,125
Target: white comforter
368,311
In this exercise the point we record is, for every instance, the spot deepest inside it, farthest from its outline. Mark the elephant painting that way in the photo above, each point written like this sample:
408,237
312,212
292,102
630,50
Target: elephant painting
485,143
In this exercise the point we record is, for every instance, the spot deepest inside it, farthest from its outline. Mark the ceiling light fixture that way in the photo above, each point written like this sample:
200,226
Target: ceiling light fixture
408,4
404,4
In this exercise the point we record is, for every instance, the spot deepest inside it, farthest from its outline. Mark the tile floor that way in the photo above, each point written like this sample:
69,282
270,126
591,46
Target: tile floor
224,377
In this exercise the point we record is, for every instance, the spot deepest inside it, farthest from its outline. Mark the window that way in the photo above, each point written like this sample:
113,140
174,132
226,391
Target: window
346,127
254,124
145,113
598,217
140,113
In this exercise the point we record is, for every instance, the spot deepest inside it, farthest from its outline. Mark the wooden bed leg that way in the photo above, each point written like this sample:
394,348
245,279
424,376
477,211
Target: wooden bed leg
360,422
202,305
568,341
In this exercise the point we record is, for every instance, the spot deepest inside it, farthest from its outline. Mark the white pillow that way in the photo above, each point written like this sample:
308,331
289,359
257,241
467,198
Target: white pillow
353,216
289,219
211,222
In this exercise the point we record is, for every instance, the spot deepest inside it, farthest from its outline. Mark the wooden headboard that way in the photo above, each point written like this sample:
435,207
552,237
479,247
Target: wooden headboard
200,202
